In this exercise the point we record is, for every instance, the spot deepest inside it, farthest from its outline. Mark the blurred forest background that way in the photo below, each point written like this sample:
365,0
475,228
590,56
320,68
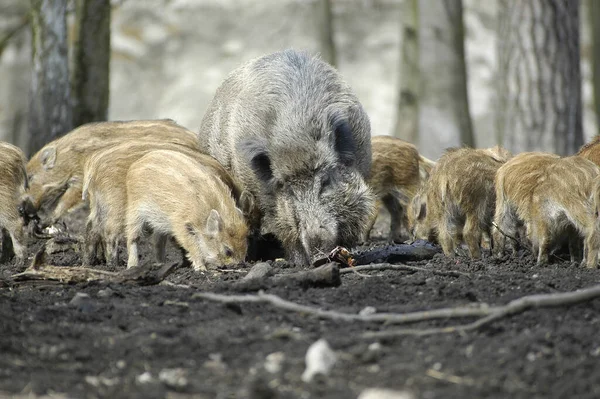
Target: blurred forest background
438,73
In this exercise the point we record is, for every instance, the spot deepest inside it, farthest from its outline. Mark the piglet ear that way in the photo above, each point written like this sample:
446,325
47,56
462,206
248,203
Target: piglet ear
255,151
214,223
48,157
343,139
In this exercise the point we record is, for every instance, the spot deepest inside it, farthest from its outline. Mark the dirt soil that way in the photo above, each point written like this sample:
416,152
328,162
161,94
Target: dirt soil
160,341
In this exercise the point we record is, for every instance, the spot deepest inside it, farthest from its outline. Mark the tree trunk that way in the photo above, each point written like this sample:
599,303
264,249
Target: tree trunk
90,81
539,92
593,7
325,21
444,117
49,102
407,115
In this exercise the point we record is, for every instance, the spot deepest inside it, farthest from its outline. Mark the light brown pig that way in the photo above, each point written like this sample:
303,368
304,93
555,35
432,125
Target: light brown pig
459,199
175,195
397,172
564,198
56,170
515,182
104,185
13,186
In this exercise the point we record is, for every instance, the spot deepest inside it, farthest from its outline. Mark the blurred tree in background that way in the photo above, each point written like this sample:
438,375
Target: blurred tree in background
526,80
91,61
433,101
539,82
50,113
325,15
407,114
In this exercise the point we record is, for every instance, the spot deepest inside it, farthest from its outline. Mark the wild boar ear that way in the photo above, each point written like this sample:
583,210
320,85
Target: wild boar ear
422,211
344,141
214,223
246,202
48,157
255,151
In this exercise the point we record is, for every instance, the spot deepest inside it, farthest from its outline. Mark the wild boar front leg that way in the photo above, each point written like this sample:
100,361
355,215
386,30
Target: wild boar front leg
505,230
372,220
472,236
134,235
13,231
592,246
448,236
541,240
160,246
396,217
92,243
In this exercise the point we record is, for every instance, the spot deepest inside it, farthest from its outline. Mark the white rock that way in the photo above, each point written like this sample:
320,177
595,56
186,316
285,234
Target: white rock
319,359
174,378
144,378
274,361
368,310
382,393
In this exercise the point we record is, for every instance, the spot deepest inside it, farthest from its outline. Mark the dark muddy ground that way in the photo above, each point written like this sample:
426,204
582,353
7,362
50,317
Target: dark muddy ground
119,343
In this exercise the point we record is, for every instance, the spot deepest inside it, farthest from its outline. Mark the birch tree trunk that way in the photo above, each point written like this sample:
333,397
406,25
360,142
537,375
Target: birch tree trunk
407,115
444,117
539,92
325,22
49,98
91,64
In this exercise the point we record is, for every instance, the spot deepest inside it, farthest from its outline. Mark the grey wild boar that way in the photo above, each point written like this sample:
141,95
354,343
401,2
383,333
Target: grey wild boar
515,183
13,188
291,131
565,198
591,151
104,186
172,194
397,173
56,171
459,199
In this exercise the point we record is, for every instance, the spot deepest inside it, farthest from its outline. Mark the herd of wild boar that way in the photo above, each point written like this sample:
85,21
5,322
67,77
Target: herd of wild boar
285,148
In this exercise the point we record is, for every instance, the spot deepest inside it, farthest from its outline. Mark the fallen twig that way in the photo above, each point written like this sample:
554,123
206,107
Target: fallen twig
414,269
40,271
389,318
454,379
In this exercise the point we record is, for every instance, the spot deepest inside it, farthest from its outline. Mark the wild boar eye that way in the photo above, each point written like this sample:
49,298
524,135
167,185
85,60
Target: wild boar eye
228,252
325,183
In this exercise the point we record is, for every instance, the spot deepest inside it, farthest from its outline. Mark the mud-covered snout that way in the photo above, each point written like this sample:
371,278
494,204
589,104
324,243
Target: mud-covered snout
28,211
318,235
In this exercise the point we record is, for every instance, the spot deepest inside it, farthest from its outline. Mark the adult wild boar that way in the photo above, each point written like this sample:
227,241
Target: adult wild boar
56,171
291,131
